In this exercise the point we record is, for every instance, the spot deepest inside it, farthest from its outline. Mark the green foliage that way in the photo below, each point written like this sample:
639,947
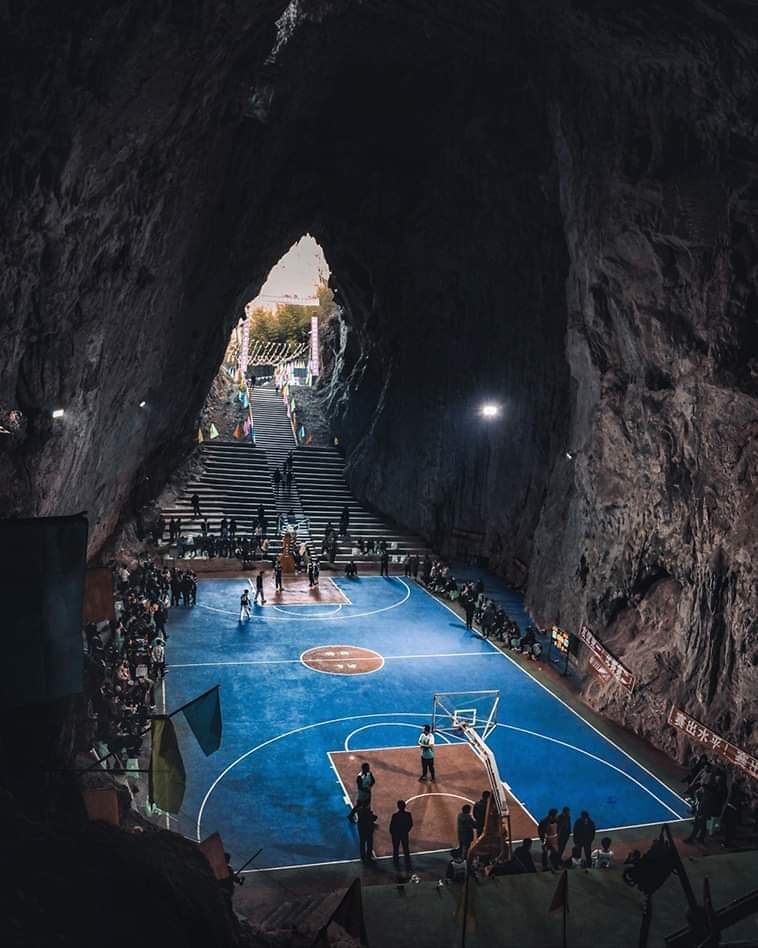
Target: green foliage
290,322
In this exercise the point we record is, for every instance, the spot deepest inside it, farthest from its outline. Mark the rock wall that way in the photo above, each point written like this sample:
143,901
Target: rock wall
547,204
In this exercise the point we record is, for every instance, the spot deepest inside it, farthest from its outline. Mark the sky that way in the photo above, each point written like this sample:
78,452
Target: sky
295,276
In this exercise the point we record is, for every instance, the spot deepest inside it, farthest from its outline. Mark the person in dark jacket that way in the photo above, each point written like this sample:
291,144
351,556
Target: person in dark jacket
366,827
584,834
564,830
522,857
400,826
700,813
465,826
480,811
259,588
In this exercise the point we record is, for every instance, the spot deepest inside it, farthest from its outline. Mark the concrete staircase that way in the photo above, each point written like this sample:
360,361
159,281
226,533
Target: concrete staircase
323,490
237,477
273,432
234,481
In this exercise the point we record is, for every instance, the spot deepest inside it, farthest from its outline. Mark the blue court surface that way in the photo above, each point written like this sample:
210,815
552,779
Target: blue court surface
271,783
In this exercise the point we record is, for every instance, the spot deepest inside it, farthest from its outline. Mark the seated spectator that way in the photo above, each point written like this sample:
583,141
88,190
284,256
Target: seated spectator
575,860
456,868
603,858
522,857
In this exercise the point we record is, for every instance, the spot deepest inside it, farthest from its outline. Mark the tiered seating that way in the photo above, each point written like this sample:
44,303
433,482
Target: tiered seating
235,480
320,478
274,433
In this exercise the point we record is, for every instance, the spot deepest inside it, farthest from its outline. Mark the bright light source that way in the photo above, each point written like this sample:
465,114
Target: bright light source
142,403
569,455
58,413
489,410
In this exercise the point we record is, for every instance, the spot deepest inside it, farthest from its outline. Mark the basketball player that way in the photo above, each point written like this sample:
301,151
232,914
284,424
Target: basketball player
364,782
426,743
244,606
259,588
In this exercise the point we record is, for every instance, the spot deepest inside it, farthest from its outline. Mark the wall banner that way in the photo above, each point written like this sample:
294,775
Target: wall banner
702,735
601,656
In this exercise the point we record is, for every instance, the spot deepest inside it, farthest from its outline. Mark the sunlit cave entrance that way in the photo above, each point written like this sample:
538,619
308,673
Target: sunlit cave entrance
276,342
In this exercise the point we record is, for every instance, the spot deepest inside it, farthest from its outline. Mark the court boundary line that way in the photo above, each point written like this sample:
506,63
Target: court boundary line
345,795
564,703
340,862
555,740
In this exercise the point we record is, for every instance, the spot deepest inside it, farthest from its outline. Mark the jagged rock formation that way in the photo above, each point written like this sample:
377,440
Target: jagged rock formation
548,203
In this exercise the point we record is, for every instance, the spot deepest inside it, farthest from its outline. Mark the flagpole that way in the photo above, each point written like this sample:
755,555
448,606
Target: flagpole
100,760
242,868
465,905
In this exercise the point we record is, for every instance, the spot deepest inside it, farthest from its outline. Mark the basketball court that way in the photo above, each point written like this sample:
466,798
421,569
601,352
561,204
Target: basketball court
312,688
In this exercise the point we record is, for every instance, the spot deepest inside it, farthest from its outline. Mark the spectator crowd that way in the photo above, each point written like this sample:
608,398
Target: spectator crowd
125,659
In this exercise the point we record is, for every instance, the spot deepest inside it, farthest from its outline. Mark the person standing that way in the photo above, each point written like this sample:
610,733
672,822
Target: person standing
244,605
196,506
469,607
699,812
259,588
384,564
584,834
551,844
480,811
232,528
311,581
364,781
466,827
730,815
564,830
366,827
426,743
344,520
543,827
278,575
400,826
316,571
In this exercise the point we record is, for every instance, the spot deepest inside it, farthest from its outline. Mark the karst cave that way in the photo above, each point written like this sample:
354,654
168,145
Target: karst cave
536,369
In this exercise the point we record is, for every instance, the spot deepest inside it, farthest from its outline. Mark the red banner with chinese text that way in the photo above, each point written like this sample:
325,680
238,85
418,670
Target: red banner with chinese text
719,745
603,657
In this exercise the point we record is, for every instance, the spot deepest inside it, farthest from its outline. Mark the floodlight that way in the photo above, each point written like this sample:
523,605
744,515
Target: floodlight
58,413
489,410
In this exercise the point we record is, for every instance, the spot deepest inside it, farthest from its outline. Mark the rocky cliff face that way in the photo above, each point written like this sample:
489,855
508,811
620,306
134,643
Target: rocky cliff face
547,204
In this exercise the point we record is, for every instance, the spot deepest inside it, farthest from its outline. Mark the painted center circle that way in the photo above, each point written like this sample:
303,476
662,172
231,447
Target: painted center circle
342,660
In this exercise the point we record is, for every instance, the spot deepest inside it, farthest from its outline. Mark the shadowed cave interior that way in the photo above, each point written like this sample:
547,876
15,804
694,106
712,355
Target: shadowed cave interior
547,203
